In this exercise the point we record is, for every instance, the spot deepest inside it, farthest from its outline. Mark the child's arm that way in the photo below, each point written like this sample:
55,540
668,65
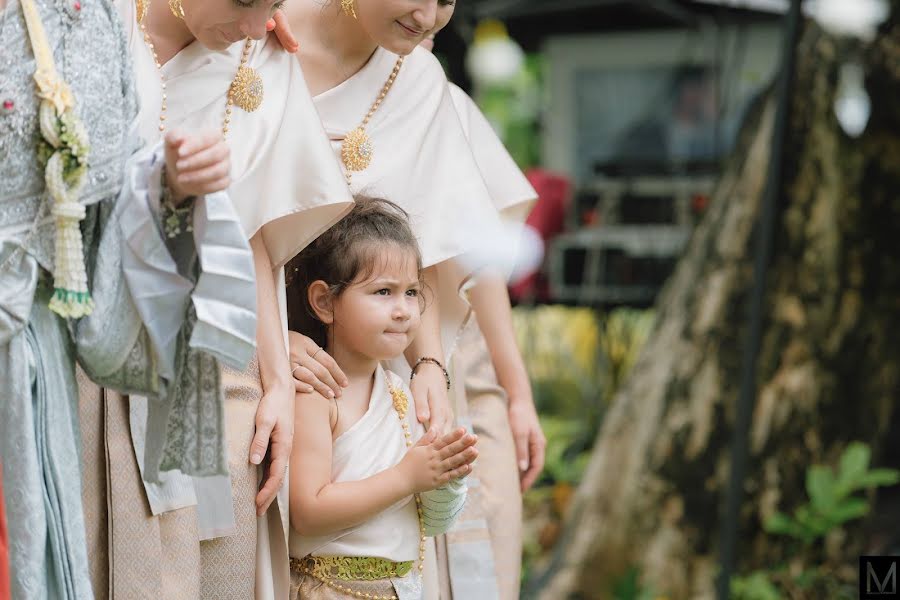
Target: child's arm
319,507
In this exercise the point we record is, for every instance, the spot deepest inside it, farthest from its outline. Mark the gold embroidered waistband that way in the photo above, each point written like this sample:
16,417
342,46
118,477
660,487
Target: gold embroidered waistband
351,568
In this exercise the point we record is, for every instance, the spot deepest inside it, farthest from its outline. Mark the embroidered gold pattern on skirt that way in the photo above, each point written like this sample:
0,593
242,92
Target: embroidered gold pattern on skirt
228,564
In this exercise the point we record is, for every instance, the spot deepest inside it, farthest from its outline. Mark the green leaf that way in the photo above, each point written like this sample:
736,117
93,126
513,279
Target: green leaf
781,524
848,510
813,524
878,478
853,464
755,586
820,486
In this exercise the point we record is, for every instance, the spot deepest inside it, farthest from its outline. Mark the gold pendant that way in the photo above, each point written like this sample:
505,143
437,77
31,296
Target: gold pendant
247,89
401,402
356,150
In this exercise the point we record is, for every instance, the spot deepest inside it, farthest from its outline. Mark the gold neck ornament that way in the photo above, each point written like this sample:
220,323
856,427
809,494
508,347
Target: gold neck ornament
246,89
357,149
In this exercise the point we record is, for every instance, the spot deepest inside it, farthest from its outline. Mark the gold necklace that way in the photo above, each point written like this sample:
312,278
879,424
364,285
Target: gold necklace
245,91
356,149
401,405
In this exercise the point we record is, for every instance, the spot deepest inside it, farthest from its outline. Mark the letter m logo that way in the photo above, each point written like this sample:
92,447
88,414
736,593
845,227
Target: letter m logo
878,577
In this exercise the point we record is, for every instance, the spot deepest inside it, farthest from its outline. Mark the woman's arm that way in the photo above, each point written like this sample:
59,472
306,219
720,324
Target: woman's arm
319,507
429,387
490,302
275,413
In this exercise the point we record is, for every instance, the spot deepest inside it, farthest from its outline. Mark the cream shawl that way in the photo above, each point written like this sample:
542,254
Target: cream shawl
512,194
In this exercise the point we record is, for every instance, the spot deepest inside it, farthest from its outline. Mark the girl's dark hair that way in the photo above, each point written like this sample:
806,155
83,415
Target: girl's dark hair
345,253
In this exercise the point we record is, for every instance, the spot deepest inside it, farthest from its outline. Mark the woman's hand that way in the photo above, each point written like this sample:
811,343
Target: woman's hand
279,24
196,163
529,439
434,461
429,390
275,433
313,368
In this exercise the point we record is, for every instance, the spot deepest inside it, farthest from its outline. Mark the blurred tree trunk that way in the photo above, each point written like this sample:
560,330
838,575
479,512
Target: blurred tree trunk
828,370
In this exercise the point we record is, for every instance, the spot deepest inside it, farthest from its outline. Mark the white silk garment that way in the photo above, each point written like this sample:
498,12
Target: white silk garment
422,162
511,193
373,444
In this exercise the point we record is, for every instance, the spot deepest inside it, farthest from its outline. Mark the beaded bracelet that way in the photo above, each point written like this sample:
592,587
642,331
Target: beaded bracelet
434,361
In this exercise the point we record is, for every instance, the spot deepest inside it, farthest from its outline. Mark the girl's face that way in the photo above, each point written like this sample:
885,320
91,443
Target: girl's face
379,317
217,24
400,25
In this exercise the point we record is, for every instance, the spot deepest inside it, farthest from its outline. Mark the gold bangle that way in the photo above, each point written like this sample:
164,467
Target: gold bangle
434,361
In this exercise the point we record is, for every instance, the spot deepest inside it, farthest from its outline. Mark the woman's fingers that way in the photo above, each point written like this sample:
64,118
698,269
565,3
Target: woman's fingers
283,32
323,358
322,374
436,404
426,439
300,385
195,142
209,174
306,376
203,158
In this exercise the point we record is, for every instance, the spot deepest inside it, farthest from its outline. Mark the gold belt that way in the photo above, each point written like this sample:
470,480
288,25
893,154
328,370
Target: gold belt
351,568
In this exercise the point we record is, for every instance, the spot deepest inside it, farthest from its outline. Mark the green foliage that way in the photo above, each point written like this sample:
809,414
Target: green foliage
755,586
512,110
563,462
622,336
629,587
831,496
832,503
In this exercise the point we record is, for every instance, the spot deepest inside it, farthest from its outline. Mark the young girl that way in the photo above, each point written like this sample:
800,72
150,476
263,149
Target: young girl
367,484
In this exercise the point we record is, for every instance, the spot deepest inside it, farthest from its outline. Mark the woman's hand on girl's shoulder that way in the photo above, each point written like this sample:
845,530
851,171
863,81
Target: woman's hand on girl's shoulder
313,369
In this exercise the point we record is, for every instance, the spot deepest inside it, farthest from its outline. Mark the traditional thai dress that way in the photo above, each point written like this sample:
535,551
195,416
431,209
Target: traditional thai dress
494,511
376,557
200,537
128,262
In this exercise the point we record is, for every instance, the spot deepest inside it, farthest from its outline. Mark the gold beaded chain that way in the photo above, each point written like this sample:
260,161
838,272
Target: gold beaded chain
401,405
356,149
245,89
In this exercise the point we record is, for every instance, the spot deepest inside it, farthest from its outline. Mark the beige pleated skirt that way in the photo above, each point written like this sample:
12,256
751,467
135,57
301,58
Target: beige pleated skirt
136,555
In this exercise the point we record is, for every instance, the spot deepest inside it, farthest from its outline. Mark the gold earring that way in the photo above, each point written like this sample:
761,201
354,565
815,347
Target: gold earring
347,7
176,8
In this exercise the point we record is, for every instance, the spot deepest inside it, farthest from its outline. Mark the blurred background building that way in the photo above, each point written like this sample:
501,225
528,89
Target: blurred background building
623,112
